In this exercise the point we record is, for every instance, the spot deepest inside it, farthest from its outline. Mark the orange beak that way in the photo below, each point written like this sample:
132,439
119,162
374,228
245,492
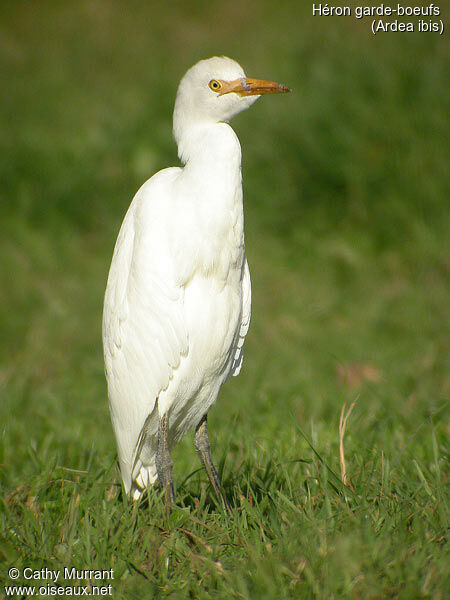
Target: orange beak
246,86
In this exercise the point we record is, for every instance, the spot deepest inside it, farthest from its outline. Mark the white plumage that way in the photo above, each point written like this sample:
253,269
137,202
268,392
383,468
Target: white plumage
177,302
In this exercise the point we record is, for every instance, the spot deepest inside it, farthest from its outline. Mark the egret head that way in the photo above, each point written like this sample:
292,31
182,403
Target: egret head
214,91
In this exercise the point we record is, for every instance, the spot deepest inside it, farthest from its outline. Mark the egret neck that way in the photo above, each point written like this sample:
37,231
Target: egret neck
212,172
211,154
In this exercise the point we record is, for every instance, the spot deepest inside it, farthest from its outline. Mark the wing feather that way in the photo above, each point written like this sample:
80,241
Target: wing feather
245,321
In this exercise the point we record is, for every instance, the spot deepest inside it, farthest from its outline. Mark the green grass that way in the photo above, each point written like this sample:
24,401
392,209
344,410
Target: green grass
346,199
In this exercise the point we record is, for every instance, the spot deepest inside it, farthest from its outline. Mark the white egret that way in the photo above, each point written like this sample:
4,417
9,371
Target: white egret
177,302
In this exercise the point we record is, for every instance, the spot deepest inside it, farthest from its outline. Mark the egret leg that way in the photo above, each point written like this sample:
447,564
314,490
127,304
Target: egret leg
202,446
164,462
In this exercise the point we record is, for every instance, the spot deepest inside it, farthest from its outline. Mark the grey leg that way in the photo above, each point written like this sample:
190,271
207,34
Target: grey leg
164,462
202,446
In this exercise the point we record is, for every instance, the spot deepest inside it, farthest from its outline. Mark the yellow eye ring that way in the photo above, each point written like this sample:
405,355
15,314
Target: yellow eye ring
215,85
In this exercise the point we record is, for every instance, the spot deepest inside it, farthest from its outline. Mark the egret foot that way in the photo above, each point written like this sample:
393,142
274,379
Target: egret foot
202,446
164,462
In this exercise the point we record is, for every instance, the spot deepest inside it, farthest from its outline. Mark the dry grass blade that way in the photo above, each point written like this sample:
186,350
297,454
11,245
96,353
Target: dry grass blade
342,426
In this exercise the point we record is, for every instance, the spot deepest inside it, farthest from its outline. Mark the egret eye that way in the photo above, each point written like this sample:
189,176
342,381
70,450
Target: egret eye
215,85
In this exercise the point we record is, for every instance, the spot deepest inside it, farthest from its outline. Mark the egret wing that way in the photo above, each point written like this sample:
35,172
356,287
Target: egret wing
144,331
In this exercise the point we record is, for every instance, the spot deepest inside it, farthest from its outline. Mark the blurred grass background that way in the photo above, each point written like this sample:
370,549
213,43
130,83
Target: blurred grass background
346,201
